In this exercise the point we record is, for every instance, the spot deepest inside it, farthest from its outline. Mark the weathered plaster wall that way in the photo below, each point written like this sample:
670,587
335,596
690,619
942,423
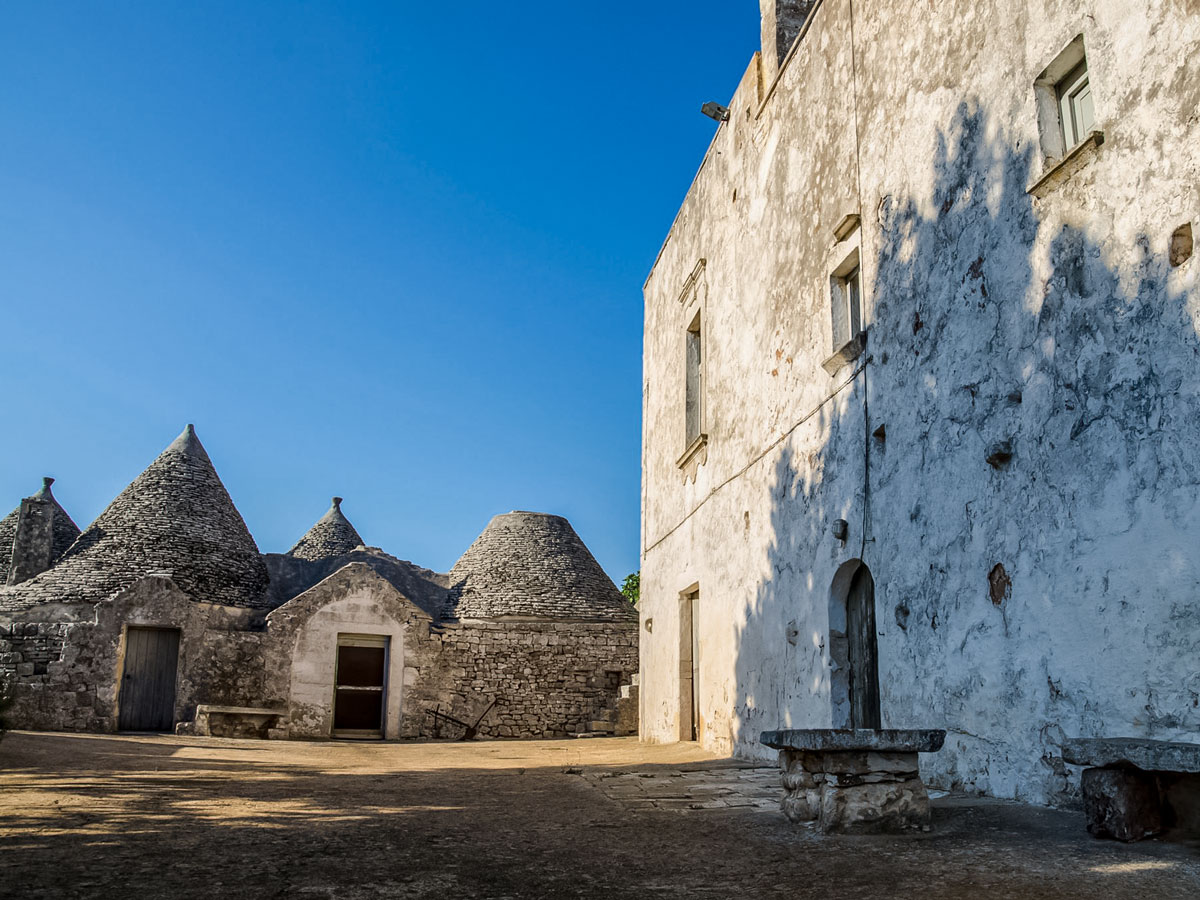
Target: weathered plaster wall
1052,323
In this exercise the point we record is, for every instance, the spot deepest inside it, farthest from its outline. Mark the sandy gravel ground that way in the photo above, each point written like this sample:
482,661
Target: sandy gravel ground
166,817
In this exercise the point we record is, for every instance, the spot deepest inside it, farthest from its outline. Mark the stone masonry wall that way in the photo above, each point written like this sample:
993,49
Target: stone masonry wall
64,670
551,679
45,696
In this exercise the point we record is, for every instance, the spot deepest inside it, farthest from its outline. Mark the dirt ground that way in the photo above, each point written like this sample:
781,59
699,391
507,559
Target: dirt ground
160,816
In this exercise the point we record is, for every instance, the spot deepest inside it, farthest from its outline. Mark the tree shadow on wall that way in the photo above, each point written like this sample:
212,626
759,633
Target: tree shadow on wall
1015,461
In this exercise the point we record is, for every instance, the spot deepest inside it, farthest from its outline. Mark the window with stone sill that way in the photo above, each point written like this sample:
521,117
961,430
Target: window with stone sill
845,305
693,389
1065,102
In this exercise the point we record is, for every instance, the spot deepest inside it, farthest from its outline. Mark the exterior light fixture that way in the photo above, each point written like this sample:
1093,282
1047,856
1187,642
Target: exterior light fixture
715,111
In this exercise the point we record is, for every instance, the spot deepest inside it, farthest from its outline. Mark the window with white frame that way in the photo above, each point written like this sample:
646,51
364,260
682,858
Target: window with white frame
1065,102
1076,112
845,295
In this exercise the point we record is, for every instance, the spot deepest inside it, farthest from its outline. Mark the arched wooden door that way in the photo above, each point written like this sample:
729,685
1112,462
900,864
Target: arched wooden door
863,651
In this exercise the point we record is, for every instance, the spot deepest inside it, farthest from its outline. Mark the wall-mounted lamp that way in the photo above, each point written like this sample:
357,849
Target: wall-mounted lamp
841,528
715,111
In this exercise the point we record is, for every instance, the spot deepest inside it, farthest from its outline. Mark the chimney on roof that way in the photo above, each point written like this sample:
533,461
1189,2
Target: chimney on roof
33,543
781,24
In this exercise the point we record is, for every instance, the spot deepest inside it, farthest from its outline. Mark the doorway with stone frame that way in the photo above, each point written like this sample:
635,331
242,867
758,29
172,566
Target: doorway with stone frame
853,648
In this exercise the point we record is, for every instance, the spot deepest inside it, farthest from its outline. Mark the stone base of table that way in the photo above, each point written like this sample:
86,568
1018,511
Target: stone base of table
854,792
1121,803
860,781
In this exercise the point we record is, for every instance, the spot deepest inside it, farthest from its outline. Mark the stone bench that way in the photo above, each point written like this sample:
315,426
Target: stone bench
859,781
1134,787
233,721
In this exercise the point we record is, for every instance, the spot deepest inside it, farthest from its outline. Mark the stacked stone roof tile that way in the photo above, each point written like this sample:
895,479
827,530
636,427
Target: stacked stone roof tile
330,537
64,529
292,576
174,519
528,564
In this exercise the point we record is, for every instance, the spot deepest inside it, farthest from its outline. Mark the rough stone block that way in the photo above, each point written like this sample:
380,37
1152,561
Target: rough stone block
874,808
865,763
803,805
800,780
1121,803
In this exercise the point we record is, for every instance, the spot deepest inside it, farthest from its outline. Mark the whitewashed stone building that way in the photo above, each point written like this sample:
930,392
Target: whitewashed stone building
922,390
163,614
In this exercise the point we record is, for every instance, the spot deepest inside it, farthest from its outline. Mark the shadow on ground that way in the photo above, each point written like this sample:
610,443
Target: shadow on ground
88,816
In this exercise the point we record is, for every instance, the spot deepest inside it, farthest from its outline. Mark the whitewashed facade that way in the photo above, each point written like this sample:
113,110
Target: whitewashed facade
1008,426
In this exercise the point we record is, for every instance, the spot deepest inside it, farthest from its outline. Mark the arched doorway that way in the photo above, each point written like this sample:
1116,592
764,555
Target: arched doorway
853,650
862,651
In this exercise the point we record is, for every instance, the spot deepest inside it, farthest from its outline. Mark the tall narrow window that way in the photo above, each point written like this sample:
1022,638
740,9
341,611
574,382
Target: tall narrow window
694,381
845,289
1075,108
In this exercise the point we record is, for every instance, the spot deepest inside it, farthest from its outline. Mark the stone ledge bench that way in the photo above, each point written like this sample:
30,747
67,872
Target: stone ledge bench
860,781
233,721
1134,788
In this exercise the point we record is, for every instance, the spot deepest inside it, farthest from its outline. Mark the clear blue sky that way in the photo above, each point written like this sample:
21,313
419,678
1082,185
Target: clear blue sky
391,251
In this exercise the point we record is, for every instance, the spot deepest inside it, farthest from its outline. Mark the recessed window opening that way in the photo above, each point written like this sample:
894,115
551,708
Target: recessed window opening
693,387
845,288
1076,112
1065,103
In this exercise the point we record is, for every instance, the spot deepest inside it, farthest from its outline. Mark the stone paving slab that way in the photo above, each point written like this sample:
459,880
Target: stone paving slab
723,788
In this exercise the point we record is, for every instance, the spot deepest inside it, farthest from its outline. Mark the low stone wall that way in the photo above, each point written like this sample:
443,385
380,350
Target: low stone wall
550,679
45,693
63,670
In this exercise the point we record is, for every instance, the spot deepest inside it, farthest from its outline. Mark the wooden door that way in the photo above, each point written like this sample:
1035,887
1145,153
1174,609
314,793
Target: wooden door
689,666
360,686
694,618
863,651
147,697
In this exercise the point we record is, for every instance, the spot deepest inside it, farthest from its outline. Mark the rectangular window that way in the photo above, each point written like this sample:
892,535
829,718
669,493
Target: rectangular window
845,290
1065,104
1075,109
693,381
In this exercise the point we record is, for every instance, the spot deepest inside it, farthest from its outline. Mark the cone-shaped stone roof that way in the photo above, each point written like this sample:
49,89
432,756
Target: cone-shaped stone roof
533,565
174,519
64,529
333,535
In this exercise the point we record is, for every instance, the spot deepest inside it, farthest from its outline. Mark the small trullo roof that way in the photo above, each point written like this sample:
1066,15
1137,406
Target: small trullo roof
174,519
530,564
64,529
331,536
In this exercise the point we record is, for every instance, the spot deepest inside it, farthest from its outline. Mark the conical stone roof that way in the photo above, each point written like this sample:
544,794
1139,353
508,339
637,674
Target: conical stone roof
174,519
531,564
64,529
333,535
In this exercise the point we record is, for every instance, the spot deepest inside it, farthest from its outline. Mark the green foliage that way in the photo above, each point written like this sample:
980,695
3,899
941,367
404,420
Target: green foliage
631,587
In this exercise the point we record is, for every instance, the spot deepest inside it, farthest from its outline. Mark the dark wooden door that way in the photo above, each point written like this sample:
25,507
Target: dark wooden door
863,651
147,698
358,695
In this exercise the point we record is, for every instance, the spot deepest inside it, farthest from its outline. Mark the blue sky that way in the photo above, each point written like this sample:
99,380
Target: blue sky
390,251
